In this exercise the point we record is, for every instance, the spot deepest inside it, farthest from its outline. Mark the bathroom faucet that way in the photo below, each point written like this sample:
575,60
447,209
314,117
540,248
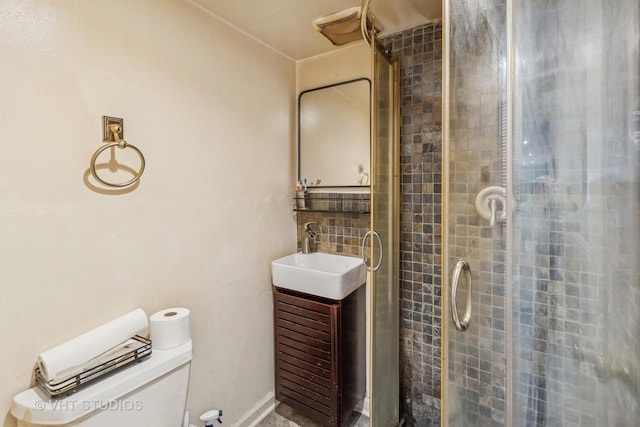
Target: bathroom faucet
308,237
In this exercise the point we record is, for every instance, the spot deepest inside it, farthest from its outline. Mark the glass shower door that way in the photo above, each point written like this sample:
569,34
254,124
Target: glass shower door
474,358
576,186
543,101
384,245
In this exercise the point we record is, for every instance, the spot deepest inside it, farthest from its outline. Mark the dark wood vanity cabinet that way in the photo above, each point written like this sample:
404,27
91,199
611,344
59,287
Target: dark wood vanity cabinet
320,359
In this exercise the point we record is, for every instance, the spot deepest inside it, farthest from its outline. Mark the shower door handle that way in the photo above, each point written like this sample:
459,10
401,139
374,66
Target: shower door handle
364,258
463,324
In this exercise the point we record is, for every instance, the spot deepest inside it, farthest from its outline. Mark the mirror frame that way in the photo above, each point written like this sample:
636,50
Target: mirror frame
300,129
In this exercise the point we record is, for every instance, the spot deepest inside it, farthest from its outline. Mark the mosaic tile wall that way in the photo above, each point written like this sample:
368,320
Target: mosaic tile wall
420,53
342,221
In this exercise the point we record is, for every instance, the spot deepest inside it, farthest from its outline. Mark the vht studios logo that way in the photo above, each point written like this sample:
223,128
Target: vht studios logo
89,405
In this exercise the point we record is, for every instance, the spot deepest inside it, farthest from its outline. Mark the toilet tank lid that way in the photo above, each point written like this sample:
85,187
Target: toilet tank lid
37,407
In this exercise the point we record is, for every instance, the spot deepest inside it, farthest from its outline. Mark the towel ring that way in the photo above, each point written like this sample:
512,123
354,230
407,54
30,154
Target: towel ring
122,144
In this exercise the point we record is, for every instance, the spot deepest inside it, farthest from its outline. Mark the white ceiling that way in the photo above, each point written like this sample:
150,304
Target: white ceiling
285,25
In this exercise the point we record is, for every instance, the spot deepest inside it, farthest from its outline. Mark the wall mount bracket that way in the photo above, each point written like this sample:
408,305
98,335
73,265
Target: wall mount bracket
107,130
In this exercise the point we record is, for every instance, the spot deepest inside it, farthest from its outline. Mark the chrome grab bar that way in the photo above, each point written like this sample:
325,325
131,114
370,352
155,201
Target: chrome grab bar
364,258
463,324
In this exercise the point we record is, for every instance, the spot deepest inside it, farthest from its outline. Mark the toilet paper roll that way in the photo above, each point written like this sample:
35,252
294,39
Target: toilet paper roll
169,328
65,357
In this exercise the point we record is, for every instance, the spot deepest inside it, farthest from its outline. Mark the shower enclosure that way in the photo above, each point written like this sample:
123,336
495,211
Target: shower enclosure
542,112
383,249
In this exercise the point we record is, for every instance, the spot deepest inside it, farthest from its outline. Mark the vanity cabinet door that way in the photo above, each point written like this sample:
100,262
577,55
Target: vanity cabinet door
307,349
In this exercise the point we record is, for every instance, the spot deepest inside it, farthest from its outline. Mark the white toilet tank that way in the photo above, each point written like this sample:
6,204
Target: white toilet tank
151,393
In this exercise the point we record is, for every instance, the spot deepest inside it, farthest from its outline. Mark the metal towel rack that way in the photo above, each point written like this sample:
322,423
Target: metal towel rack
139,349
112,129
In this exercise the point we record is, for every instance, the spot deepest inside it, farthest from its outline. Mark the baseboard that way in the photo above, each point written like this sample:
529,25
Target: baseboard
365,407
260,410
267,404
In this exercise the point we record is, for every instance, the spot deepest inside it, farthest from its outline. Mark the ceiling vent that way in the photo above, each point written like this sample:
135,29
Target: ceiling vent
341,27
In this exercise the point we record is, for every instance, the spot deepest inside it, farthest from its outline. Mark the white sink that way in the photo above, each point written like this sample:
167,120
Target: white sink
317,273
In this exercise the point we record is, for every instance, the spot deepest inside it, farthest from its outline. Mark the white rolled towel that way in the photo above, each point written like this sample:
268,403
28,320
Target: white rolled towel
57,361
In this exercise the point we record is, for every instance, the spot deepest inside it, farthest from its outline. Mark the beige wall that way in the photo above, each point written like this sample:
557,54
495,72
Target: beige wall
350,62
211,212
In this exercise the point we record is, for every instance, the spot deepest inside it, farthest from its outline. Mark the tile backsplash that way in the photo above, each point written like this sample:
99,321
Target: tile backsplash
340,233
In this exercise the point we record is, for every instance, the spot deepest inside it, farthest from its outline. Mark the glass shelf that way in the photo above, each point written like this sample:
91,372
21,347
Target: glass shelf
335,203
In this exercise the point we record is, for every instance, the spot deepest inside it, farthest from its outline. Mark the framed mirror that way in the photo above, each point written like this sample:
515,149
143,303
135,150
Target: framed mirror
334,135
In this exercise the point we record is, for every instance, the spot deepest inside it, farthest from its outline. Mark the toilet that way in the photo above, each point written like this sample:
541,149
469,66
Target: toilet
153,392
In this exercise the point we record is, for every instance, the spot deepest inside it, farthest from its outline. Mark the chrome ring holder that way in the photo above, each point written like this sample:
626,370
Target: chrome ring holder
112,131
